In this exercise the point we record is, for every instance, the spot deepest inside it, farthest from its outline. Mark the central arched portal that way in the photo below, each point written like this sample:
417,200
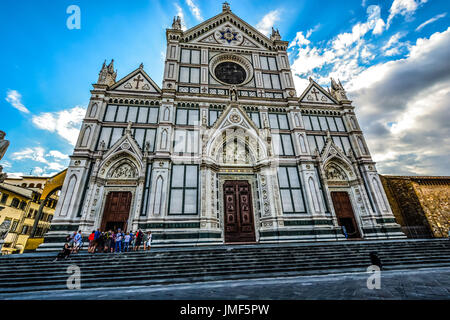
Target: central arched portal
238,212
117,210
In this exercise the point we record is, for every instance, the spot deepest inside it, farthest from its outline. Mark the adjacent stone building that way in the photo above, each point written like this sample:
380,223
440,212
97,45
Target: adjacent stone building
421,204
29,217
224,151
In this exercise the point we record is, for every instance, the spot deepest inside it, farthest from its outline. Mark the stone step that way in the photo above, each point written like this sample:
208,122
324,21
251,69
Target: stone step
161,260
313,246
176,272
184,265
141,280
180,255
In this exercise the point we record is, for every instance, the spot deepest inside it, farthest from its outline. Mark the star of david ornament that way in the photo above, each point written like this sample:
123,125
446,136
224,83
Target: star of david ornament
228,35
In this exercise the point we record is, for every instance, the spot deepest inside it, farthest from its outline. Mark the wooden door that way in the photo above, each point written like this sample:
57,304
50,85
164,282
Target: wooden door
117,211
344,213
239,220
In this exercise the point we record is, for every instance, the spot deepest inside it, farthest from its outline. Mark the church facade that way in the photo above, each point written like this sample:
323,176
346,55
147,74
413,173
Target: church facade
225,151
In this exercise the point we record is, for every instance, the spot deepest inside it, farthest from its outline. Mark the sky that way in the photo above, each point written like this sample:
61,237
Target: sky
392,57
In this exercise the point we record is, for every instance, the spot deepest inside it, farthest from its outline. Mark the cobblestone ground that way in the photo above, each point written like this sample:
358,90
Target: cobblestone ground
432,283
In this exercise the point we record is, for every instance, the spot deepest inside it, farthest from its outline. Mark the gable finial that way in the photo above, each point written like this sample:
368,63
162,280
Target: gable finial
275,35
176,23
226,6
141,66
128,129
107,75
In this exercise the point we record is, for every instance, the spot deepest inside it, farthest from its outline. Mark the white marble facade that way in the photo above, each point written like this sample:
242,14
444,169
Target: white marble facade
136,135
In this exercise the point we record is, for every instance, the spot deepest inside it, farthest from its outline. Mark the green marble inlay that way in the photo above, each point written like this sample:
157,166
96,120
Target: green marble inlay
169,225
64,227
307,222
386,220
297,233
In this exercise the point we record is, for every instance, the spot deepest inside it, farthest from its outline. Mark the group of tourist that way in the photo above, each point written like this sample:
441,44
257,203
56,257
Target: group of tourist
118,241
107,241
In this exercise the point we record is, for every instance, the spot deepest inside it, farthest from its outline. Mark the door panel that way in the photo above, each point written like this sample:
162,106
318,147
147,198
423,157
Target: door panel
117,210
239,220
344,213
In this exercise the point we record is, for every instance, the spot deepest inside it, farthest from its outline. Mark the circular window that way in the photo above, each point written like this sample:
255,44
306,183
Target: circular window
230,69
230,72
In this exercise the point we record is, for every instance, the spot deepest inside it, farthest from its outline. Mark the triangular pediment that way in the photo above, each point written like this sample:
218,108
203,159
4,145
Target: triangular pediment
234,116
227,29
125,144
228,35
314,93
137,81
331,150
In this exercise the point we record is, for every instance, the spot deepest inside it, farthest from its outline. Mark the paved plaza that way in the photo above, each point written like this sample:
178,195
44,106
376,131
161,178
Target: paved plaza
429,283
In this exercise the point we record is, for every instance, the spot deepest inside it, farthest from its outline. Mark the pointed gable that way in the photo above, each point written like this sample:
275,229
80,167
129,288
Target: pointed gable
314,93
125,144
234,115
137,81
229,30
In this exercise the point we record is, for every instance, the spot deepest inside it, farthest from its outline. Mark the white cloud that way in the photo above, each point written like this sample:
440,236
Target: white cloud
195,10
65,123
265,25
402,106
379,27
38,171
311,31
359,30
393,46
34,154
6,164
58,155
16,175
299,40
342,54
14,98
180,13
405,8
435,18
49,162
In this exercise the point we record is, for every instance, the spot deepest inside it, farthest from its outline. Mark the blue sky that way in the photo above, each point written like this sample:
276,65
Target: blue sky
392,57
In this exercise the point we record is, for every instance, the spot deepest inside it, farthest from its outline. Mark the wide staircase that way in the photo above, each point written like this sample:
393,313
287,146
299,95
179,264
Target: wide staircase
38,271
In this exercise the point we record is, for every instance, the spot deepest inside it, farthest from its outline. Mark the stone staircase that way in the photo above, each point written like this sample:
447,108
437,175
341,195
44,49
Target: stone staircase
37,271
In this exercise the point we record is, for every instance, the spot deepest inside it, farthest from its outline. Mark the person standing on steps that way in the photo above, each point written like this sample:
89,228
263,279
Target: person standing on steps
132,240
100,245
112,237
139,237
126,242
91,241
144,240
119,236
97,235
78,242
344,231
148,241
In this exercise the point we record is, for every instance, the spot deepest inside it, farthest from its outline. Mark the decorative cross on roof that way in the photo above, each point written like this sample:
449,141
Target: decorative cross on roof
138,79
315,93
